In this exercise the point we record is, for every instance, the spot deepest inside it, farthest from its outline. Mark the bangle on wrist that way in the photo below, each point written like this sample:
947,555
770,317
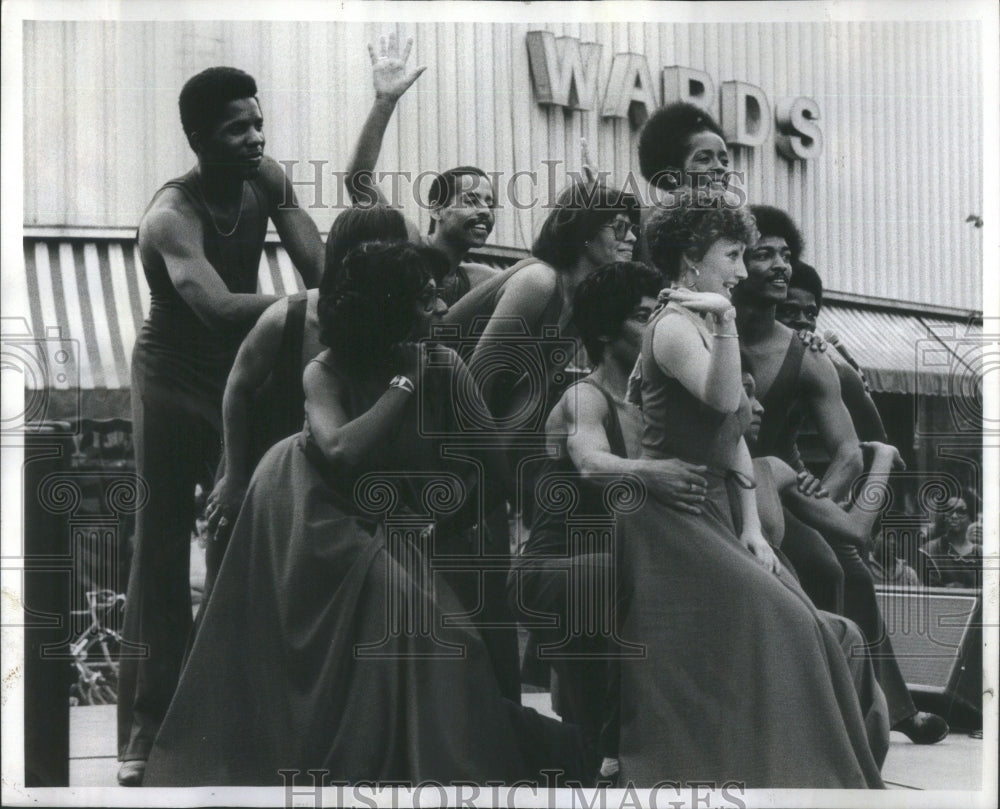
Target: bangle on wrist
734,336
403,383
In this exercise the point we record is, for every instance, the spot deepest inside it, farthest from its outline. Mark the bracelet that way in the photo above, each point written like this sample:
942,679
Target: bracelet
727,336
403,383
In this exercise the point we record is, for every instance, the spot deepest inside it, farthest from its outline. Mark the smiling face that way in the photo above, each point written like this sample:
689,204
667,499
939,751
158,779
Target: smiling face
756,410
769,267
614,241
707,161
467,219
721,268
235,143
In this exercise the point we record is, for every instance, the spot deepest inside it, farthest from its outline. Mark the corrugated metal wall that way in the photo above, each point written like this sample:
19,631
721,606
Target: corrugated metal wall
883,209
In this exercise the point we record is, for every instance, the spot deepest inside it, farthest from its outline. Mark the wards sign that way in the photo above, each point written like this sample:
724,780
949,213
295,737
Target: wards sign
564,73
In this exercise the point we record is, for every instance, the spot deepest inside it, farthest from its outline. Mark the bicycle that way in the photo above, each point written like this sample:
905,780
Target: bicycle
95,651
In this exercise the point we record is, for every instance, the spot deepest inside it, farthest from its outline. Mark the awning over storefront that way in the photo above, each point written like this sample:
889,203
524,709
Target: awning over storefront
88,298
907,353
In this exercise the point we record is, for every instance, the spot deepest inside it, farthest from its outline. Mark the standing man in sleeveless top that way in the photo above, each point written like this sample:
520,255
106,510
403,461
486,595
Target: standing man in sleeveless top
200,241
461,199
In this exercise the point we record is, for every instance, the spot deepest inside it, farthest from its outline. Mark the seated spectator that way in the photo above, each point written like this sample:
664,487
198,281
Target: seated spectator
889,566
954,559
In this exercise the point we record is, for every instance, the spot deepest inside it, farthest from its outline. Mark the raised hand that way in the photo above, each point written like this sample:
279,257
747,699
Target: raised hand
389,73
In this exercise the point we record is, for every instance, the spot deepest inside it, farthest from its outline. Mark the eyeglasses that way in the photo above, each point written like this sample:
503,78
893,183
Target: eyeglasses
622,227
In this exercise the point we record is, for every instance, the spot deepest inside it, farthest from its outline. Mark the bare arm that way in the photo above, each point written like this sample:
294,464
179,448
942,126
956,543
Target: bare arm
821,393
752,533
865,416
521,304
674,482
297,230
713,376
346,442
854,526
177,235
391,80
254,361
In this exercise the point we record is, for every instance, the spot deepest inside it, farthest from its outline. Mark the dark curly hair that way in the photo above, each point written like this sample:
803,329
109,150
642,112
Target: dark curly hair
773,221
581,210
446,184
372,305
688,228
804,276
665,138
603,301
205,96
355,225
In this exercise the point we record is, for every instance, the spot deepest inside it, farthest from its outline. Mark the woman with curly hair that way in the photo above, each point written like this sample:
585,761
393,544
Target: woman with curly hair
741,680
325,645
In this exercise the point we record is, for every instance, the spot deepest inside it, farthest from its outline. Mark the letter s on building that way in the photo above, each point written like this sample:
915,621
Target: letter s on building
799,136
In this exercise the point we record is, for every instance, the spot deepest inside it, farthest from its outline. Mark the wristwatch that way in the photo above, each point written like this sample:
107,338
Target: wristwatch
403,382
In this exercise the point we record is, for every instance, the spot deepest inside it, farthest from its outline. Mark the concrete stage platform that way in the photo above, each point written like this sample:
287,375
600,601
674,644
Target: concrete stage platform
954,764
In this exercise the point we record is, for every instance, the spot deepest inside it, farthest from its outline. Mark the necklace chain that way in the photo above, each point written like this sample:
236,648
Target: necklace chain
239,216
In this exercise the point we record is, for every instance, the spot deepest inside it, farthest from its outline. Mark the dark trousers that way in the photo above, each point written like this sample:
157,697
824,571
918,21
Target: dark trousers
583,659
174,449
812,562
815,563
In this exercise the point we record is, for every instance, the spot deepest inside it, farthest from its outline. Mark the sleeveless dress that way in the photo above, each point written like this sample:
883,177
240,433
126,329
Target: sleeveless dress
741,680
279,405
325,644
528,374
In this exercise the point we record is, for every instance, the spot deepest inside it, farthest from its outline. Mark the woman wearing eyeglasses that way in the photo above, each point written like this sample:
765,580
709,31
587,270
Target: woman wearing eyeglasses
531,304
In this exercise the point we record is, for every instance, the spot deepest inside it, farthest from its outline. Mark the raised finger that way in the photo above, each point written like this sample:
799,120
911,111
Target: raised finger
371,53
407,47
383,46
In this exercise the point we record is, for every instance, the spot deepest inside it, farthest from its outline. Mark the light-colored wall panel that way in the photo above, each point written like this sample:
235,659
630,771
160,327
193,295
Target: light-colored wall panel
883,210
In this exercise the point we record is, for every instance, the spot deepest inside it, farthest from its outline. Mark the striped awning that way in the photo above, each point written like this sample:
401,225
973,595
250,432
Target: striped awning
88,298
905,353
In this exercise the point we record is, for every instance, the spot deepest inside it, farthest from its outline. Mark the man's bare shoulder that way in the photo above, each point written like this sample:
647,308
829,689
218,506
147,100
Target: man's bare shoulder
271,175
170,219
479,273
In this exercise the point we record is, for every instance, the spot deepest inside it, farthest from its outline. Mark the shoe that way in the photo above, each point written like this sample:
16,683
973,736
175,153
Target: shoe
923,728
131,772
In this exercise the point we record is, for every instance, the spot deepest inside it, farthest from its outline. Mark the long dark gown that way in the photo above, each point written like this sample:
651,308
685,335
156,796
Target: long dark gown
306,659
742,681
